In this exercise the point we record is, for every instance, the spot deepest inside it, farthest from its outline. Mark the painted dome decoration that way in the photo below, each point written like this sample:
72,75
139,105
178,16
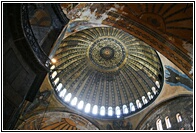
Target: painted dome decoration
106,72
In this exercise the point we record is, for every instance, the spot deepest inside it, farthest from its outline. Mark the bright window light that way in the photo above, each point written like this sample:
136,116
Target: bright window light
110,112
118,113
87,108
150,96
74,101
157,84
54,74
167,121
95,109
58,88
178,117
56,81
52,67
132,107
138,103
102,111
62,93
53,60
125,109
159,125
154,90
80,105
68,97
145,101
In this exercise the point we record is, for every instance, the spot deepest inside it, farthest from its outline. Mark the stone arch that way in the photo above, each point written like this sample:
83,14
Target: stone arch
165,109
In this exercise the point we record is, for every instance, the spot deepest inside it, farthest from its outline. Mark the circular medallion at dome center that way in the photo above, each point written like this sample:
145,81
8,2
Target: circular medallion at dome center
107,54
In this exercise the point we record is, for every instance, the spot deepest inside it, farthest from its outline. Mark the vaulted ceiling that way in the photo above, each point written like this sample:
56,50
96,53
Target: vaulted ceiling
167,27
106,67
85,59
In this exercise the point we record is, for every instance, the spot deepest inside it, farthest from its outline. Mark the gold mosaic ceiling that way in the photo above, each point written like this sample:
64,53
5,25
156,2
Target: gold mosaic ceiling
167,27
56,121
106,72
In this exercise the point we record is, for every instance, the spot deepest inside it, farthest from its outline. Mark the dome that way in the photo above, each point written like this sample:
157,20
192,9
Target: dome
106,73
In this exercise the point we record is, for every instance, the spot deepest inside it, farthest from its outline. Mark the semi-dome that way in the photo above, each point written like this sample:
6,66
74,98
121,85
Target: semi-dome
106,72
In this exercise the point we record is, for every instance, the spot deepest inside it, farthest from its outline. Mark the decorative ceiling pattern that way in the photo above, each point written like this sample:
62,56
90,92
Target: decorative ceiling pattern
56,121
167,27
106,72
169,18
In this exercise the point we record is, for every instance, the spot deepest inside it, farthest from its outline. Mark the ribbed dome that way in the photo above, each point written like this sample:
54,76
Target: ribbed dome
106,72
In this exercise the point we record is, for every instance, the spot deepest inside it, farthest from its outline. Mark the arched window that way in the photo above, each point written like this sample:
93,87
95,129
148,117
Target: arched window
154,90
68,97
87,108
110,112
138,103
132,107
62,93
178,117
145,101
56,81
167,121
102,111
80,105
52,67
95,109
54,74
118,113
53,60
125,109
150,96
159,124
74,101
58,88
157,84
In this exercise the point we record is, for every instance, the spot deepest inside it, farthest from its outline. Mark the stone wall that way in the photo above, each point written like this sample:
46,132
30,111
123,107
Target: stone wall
182,105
